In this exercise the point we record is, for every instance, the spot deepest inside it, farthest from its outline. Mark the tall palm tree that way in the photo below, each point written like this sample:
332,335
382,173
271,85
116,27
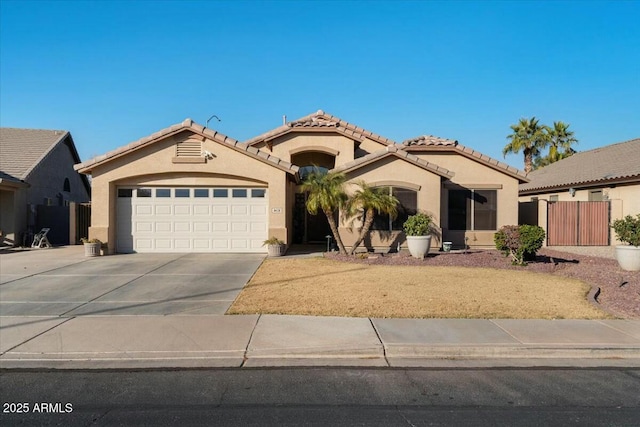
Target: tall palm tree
560,138
529,137
370,200
326,193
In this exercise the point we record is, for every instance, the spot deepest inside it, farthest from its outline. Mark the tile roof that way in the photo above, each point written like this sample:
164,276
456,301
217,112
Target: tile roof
21,150
320,120
429,140
610,163
393,150
427,143
190,125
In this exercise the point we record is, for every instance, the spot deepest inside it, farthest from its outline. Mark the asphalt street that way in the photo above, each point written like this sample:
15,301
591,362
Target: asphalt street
323,396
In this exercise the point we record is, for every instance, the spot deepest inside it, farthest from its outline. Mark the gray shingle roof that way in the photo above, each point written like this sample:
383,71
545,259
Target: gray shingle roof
22,149
614,162
190,125
393,150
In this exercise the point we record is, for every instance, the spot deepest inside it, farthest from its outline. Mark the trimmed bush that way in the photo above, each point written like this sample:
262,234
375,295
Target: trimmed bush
628,230
521,242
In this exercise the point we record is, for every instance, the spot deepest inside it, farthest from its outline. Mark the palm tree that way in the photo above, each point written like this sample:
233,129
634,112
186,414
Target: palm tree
529,137
370,200
326,193
561,139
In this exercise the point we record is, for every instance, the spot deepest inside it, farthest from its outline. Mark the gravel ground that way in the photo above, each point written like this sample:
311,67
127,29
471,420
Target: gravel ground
619,290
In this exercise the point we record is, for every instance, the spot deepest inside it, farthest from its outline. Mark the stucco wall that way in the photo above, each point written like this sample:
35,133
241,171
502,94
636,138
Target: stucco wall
475,175
298,142
153,165
399,173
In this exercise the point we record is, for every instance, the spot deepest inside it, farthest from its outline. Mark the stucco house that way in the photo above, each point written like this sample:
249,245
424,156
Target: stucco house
591,189
36,176
189,188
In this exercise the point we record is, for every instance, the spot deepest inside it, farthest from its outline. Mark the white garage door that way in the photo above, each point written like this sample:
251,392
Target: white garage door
196,219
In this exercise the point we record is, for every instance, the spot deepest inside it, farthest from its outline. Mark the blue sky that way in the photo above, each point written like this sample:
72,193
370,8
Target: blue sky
112,72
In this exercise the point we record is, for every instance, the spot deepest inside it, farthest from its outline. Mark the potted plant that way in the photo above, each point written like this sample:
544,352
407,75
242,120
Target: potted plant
275,246
91,246
418,230
628,231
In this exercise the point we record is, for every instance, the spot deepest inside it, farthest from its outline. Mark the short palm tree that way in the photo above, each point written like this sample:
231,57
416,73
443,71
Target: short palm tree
326,193
370,200
529,137
560,138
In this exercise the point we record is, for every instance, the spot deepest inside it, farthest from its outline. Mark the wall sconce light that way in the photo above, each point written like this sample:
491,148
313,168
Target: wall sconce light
572,192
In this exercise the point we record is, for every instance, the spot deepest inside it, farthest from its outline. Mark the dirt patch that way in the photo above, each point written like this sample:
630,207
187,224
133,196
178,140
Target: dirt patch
478,284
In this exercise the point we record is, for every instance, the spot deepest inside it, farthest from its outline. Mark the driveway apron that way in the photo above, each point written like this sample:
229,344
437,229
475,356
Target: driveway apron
133,284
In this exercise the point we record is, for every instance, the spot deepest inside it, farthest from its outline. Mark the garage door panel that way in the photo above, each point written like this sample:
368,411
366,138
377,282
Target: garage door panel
162,222
163,227
182,210
221,227
163,210
144,226
201,210
144,210
220,210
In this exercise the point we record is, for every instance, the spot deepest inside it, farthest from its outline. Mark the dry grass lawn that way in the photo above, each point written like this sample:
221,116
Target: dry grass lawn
317,286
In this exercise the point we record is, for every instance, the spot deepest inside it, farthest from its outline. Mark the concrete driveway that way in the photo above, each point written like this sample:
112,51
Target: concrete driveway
62,282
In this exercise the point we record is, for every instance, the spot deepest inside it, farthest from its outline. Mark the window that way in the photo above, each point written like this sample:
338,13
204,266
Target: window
220,192
595,196
143,192
183,192
553,198
472,209
201,192
125,192
407,206
239,192
163,192
66,186
258,192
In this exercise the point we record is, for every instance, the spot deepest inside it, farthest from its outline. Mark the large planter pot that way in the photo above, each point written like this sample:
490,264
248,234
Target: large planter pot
92,249
419,245
628,257
276,250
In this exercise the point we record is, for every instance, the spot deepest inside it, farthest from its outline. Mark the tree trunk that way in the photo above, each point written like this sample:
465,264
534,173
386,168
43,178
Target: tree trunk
368,220
334,230
528,162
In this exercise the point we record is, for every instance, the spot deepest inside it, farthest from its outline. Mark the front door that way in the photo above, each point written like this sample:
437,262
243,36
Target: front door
309,228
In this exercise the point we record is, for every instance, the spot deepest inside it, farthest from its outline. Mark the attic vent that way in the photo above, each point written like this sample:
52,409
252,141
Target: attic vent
189,148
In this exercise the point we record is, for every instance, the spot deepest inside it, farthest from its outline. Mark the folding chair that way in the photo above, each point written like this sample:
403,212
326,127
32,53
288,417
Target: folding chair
40,239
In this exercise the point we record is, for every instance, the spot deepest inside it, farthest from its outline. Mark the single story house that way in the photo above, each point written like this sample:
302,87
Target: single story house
577,186
36,176
188,188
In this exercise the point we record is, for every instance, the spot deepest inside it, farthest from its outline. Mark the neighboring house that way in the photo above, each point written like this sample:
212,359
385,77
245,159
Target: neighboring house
36,172
189,188
608,174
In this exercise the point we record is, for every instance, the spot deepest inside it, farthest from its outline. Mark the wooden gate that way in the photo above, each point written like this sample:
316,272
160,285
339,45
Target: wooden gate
578,224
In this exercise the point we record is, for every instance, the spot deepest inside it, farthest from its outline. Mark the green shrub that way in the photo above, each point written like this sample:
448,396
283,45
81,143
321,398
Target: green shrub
521,242
418,225
628,229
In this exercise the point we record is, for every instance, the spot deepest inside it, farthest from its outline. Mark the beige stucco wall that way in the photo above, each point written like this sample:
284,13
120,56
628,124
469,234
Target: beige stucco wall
399,173
624,199
476,175
298,141
153,165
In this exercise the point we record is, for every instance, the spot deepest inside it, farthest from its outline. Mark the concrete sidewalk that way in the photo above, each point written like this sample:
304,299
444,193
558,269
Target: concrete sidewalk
104,342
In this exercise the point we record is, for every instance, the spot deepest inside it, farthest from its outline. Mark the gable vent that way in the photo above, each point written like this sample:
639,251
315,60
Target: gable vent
189,148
